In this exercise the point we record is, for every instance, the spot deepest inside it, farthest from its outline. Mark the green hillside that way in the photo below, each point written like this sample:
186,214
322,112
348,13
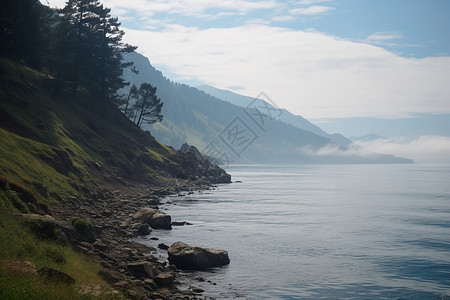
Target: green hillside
62,143
55,148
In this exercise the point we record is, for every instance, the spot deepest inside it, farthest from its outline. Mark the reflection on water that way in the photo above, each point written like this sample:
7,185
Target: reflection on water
323,232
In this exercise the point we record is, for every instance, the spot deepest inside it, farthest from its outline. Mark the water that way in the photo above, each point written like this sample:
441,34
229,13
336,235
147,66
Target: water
323,232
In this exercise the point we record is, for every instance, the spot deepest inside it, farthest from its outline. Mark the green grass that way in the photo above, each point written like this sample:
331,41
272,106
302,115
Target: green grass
19,243
39,132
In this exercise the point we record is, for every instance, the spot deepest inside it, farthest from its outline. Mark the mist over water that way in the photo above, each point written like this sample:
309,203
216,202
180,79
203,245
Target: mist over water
323,232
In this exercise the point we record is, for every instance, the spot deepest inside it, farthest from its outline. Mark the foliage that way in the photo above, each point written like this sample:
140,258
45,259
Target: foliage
80,225
19,30
80,45
96,47
148,106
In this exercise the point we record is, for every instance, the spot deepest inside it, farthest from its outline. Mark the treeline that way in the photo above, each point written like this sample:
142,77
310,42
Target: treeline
80,46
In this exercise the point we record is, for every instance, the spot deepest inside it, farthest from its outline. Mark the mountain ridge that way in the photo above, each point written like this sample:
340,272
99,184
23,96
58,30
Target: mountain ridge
286,116
202,120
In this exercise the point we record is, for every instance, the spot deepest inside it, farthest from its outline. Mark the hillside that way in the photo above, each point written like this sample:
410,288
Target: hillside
202,120
81,161
68,138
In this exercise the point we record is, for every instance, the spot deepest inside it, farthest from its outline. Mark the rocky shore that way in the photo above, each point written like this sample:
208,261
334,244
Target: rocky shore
114,218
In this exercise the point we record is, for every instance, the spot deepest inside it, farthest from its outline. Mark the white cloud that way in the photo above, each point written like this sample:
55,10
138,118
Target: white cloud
283,18
309,2
310,11
309,73
195,8
426,149
54,3
387,39
384,36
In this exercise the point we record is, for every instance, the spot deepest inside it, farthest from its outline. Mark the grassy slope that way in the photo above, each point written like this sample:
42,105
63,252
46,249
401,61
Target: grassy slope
49,148
43,136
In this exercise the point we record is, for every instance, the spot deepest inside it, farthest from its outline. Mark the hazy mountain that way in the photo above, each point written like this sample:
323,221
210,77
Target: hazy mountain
368,137
285,115
407,128
234,133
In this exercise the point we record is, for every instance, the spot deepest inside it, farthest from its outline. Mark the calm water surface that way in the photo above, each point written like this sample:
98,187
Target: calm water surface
323,232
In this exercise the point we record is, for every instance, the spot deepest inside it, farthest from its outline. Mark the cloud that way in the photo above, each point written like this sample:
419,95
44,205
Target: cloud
309,73
191,8
310,11
283,18
387,39
383,36
309,2
426,149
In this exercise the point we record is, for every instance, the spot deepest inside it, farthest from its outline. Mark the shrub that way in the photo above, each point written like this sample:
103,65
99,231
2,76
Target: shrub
80,225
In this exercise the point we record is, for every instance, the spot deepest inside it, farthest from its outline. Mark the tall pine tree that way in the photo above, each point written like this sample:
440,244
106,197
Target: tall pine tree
94,46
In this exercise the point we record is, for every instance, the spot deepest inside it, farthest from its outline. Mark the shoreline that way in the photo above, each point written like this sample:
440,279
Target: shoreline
111,216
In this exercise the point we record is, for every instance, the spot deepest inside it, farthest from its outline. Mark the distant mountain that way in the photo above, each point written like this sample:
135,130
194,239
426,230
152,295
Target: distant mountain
285,115
234,133
367,138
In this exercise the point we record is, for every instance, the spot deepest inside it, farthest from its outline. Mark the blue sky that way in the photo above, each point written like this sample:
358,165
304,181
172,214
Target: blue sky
351,66
411,28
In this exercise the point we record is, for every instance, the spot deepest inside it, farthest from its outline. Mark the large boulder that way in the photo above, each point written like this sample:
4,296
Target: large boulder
188,257
155,218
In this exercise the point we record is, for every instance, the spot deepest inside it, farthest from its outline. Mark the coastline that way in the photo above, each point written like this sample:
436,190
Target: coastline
111,217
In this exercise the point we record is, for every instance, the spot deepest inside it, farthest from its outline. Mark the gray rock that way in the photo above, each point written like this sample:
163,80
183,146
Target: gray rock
188,257
165,278
141,269
143,229
163,246
155,218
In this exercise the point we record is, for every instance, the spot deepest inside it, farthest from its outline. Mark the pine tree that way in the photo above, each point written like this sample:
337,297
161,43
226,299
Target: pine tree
20,37
95,48
148,107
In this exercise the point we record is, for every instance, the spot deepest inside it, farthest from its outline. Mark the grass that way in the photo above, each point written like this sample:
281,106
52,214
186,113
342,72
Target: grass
41,138
19,243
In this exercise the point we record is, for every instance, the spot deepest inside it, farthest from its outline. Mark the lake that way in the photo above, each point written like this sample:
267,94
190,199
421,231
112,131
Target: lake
322,232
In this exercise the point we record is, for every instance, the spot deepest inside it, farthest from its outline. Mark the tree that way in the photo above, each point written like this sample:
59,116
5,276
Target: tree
111,54
125,103
148,106
94,46
20,37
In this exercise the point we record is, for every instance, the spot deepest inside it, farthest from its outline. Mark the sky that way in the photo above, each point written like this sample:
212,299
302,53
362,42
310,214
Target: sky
326,60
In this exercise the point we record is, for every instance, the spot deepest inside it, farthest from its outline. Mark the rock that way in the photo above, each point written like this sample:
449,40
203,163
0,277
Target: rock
163,246
151,283
141,269
188,257
223,178
182,223
143,229
164,278
46,227
121,284
178,223
111,276
93,290
155,218
55,275
100,246
197,290
20,266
